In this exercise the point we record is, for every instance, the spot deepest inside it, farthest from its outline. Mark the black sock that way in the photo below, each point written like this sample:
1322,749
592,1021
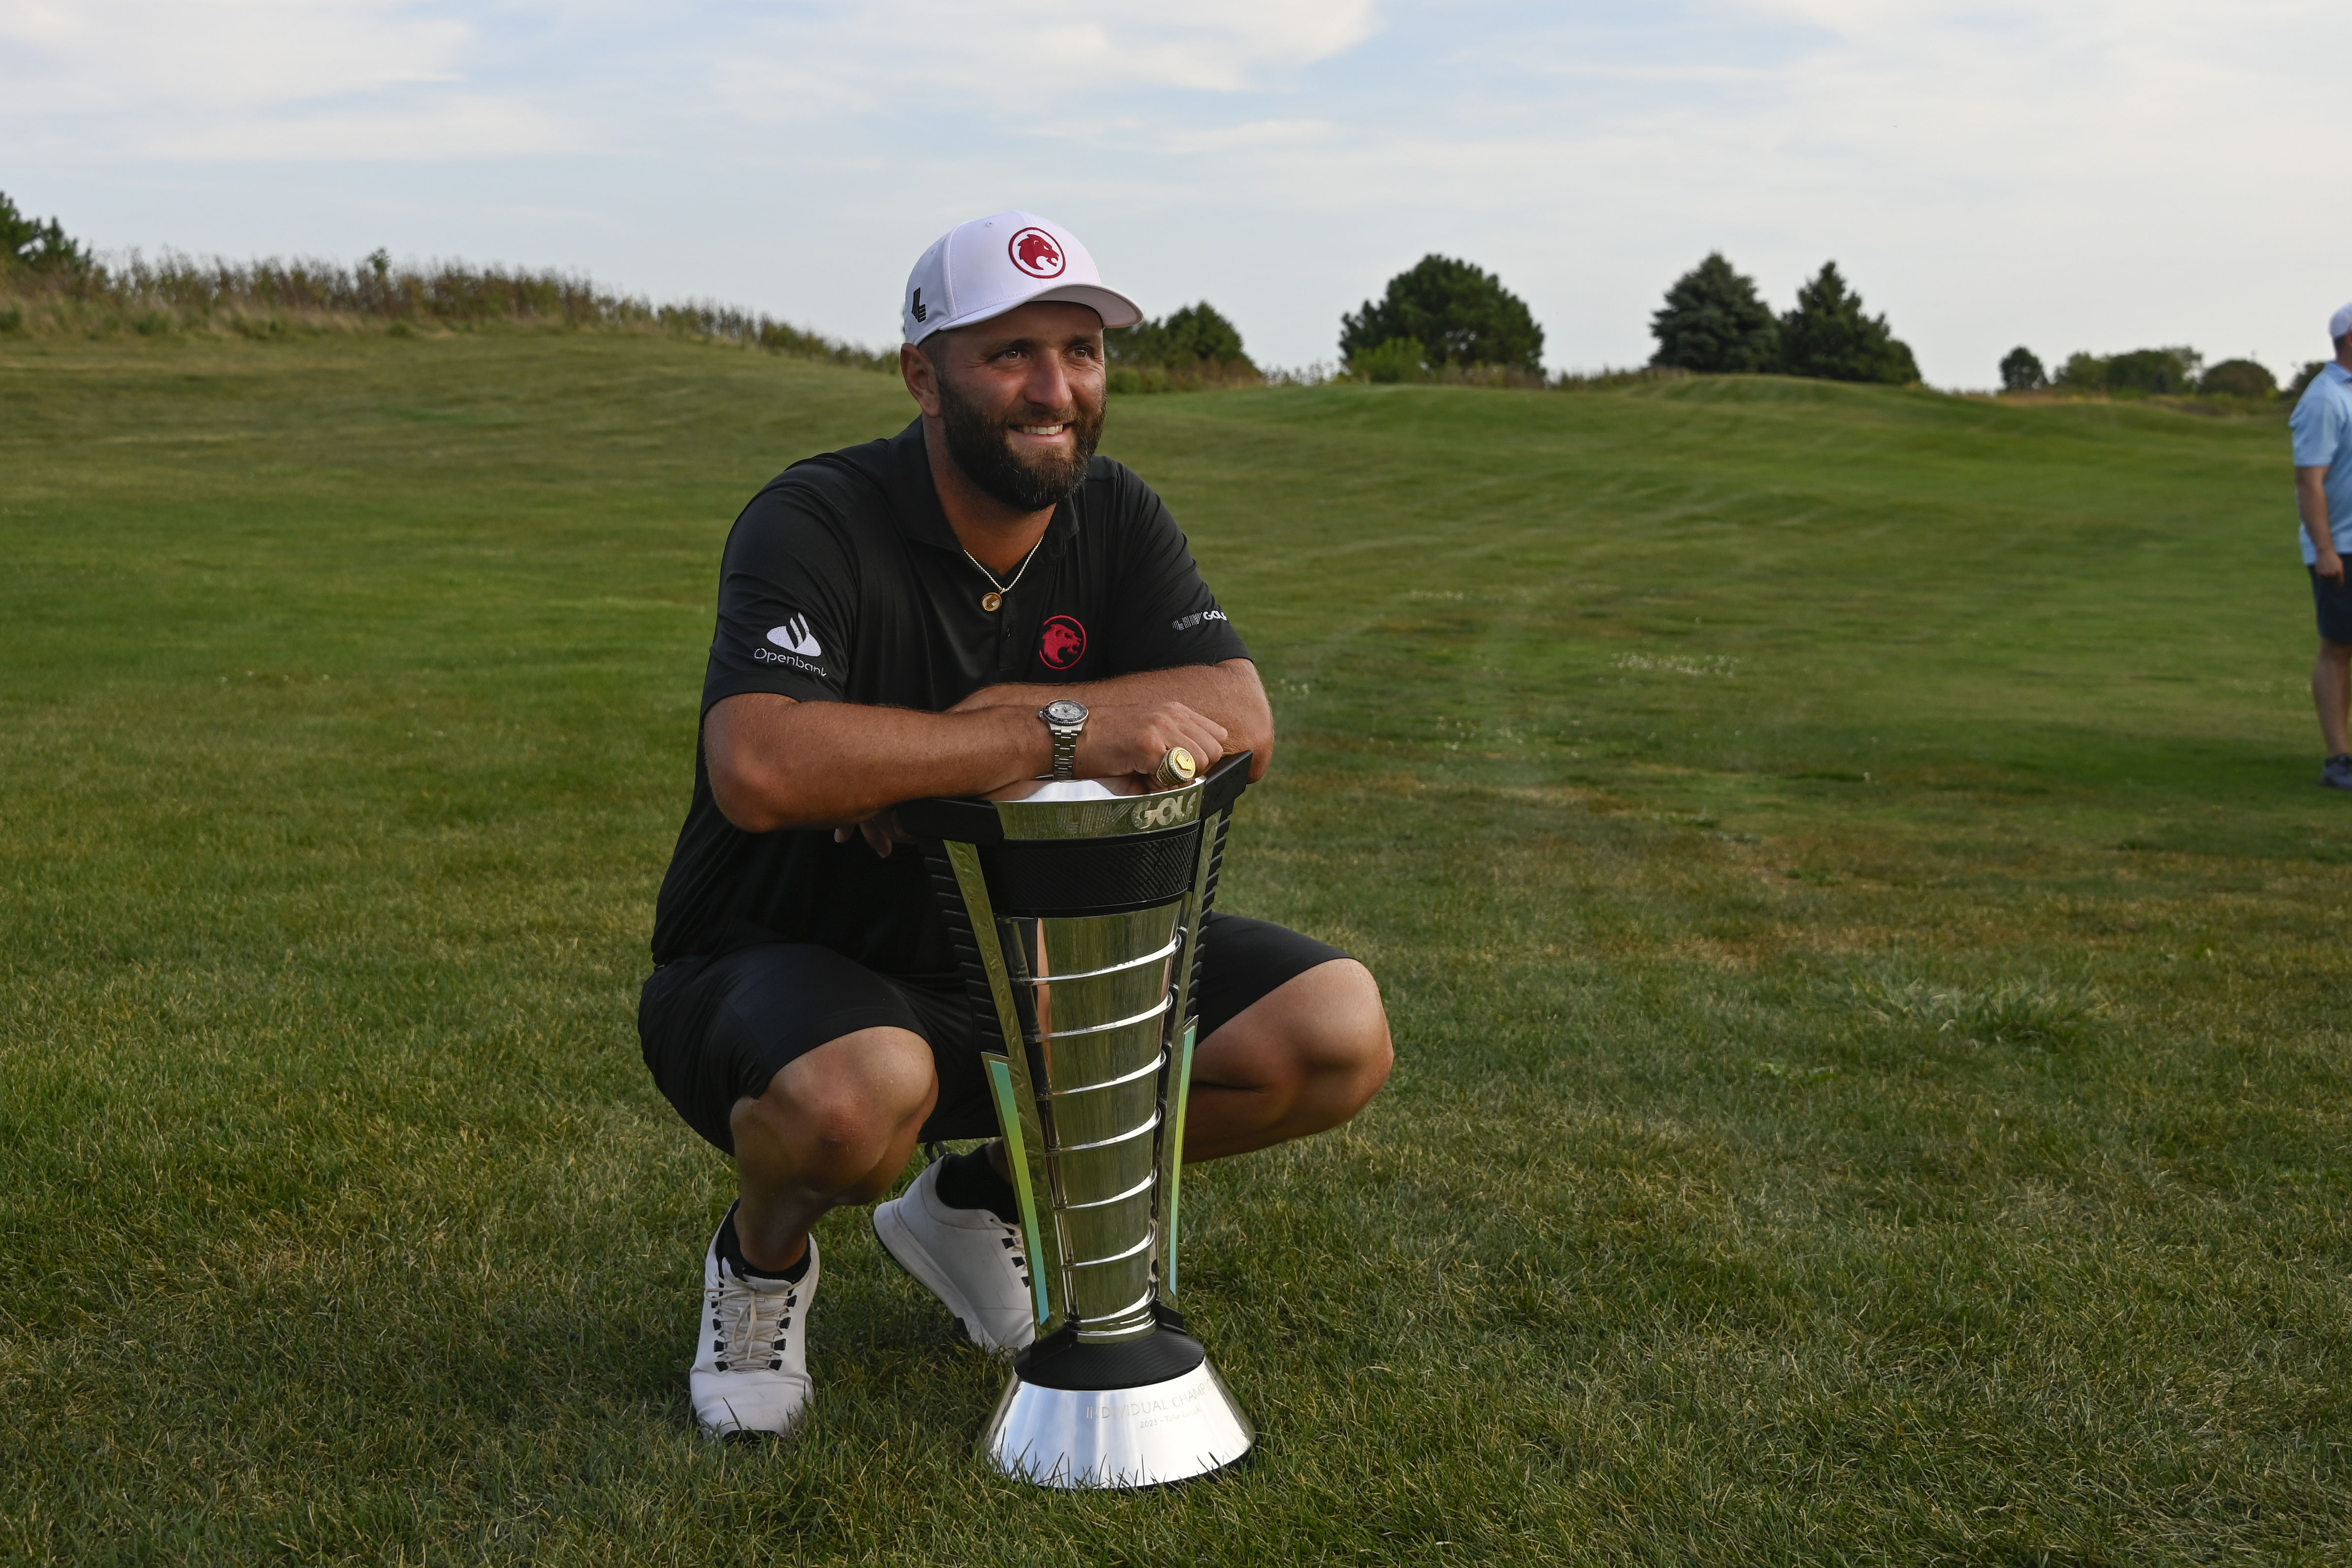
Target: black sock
730,1251
970,1182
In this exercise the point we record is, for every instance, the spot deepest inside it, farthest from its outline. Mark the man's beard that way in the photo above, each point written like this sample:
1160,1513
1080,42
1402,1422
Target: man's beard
983,447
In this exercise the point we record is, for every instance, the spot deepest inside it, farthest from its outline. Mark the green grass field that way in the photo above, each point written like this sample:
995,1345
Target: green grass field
1867,948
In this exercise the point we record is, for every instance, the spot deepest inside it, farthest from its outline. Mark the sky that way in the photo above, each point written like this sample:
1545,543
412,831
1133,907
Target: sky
2072,174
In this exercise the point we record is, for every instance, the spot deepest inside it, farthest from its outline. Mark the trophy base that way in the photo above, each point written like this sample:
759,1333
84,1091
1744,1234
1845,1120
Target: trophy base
1141,1435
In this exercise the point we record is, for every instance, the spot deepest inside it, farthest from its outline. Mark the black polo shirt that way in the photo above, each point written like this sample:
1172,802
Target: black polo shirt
843,582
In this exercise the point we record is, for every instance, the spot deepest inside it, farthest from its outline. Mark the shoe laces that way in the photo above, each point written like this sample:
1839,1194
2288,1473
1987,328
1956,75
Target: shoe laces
751,1326
1010,1239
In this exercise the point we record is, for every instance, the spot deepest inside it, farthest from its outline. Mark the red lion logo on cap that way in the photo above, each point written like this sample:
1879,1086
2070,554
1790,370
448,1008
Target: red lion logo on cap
1063,643
1034,251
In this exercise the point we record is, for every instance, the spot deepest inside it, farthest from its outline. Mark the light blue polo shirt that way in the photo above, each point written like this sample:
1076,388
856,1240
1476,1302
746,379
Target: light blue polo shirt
2322,434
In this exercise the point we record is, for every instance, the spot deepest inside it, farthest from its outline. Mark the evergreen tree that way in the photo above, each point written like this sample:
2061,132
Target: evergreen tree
2020,371
1461,314
40,246
1712,321
1827,336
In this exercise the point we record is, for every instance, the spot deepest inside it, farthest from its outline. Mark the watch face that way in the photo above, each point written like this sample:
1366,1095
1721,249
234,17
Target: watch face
1062,711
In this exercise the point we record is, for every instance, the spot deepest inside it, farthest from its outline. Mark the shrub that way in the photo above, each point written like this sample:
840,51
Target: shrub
2020,371
1713,321
2303,378
1462,316
1399,359
2238,378
1829,337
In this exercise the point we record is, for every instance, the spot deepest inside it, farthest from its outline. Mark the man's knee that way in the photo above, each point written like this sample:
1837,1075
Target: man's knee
839,1107
1353,1034
1323,1035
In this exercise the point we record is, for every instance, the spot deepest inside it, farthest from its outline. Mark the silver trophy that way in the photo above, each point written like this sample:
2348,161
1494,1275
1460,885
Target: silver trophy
1078,922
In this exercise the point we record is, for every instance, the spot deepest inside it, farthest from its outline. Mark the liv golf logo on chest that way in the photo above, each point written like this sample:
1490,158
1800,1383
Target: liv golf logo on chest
800,643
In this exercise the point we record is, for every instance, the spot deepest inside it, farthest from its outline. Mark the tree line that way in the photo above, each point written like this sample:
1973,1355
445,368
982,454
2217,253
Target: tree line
1442,318
2178,371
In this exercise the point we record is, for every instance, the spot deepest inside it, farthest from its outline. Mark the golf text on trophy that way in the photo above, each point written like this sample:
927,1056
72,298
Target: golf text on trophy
1078,915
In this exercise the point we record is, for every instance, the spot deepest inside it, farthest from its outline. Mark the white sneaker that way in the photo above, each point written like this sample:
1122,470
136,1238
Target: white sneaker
971,1260
750,1372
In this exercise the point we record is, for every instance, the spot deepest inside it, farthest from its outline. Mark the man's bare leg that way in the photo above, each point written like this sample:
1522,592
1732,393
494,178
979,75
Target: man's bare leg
834,1128
1301,1060
2331,693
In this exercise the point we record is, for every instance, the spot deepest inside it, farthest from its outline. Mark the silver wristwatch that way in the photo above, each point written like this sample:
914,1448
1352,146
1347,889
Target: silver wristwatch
1066,721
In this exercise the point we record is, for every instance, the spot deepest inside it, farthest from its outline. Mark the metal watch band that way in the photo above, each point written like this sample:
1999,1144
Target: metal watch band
1066,721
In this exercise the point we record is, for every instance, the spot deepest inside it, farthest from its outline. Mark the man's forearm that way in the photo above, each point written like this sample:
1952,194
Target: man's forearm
777,763
1229,693
2311,503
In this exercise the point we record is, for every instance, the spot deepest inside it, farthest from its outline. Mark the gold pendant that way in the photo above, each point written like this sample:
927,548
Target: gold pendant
991,601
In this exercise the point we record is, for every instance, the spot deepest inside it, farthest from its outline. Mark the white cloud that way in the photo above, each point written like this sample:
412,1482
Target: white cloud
435,126
1019,56
218,53
1217,45
256,79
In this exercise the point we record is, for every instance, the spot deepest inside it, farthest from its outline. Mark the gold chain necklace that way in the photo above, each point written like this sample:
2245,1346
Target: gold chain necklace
994,600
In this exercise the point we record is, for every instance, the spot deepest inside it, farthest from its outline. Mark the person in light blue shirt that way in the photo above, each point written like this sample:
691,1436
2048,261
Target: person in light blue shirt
2323,494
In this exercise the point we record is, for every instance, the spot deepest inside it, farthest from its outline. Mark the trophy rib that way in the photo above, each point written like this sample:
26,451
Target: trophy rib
1141,1304
1151,1235
1174,943
1146,1070
1129,1136
1139,1188
1143,1018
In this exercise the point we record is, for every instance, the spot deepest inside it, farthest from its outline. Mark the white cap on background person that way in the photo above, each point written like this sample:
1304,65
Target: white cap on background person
992,265
2340,323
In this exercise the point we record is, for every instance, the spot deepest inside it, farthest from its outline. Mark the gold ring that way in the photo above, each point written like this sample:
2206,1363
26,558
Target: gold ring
1176,769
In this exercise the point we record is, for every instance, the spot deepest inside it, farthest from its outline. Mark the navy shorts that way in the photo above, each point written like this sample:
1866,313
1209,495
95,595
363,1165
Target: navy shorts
2333,601
715,1030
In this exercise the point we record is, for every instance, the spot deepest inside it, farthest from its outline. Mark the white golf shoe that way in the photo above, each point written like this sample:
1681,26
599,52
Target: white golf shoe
751,1370
971,1260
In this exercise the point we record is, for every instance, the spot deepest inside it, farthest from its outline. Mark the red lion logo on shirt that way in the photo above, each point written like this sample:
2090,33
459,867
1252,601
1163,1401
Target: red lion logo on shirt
1063,643
1034,251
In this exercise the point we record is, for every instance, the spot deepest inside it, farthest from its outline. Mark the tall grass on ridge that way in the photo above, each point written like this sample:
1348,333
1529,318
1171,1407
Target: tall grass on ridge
270,298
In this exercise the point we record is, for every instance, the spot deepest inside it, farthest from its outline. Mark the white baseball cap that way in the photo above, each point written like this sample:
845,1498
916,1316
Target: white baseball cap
991,265
2340,323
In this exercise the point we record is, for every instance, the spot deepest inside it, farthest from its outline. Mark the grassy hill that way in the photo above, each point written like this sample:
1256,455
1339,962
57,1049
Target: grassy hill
1865,944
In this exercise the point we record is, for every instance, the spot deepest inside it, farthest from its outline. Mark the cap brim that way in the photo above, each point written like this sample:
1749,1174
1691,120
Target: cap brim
1115,307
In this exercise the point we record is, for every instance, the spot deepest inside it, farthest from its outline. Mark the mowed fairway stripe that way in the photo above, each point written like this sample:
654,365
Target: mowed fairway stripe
1864,941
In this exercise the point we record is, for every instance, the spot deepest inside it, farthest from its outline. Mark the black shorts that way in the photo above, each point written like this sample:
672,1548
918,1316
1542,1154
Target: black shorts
715,1030
2333,601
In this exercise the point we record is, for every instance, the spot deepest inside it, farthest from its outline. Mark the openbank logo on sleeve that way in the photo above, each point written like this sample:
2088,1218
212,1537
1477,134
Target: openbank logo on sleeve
799,644
1186,623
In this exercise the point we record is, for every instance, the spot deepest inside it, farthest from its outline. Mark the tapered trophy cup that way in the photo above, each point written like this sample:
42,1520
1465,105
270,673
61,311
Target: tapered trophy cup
1078,922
